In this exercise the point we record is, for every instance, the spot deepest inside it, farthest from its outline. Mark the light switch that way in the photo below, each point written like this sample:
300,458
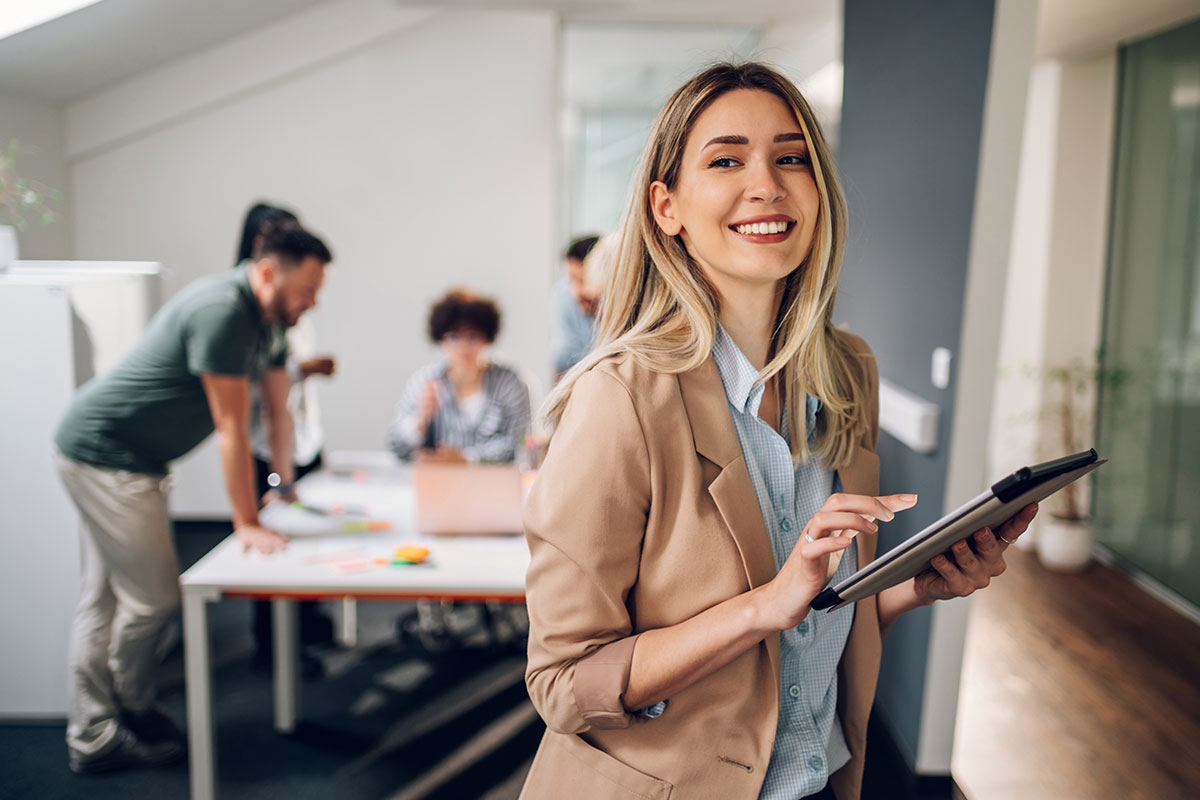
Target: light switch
940,374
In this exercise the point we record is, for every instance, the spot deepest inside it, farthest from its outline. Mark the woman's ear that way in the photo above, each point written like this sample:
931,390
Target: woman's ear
663,206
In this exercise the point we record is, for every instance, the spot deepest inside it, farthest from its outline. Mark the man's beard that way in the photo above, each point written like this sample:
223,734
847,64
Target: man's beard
279,311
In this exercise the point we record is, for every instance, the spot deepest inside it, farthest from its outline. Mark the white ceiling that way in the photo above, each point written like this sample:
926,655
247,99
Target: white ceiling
110,41
1074,28
81,52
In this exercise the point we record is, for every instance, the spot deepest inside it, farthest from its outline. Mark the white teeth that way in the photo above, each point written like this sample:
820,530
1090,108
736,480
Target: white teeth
761,228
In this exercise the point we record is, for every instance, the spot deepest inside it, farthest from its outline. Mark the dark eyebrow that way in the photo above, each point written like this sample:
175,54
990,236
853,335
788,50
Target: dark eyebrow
783,137
727,140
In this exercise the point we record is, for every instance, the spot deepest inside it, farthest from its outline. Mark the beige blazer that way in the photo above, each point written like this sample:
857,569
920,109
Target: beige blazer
642,516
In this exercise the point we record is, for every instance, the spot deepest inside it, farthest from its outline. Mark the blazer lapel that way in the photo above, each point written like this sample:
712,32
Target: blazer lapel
716,440
861,476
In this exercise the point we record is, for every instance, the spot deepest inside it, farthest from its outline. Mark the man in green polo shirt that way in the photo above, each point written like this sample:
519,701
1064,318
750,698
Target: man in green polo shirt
189,375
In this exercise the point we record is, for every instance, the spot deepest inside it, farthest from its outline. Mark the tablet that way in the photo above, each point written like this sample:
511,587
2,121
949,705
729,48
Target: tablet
991,509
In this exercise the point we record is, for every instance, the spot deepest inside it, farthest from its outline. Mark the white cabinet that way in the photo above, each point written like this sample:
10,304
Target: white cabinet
60,323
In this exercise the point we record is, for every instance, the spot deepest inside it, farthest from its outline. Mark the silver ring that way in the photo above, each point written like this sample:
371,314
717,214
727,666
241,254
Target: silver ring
1006,541
808,536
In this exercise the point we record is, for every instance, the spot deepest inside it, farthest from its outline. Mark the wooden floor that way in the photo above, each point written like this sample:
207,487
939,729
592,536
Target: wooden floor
1079,687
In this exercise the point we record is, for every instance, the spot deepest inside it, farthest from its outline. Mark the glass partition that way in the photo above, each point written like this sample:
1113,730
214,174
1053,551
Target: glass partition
1147,500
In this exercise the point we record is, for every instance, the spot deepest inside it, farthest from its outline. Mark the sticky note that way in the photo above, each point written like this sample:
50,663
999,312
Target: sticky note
412,553
347,565
363,526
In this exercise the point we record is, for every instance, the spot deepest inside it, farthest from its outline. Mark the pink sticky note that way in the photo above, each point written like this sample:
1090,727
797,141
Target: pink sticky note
346,565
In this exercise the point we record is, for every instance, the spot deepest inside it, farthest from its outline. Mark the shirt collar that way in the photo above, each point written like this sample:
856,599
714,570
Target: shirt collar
740,379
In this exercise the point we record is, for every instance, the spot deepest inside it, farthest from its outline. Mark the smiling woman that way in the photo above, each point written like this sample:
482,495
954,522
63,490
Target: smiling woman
712,468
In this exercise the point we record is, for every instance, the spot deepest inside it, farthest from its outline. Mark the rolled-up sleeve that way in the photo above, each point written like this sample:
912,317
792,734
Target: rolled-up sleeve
585,521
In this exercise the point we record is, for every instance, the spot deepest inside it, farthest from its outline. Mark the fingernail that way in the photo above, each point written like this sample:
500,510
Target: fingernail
939,560
874,528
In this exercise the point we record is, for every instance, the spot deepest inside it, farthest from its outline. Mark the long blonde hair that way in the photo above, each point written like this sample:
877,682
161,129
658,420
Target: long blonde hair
658,306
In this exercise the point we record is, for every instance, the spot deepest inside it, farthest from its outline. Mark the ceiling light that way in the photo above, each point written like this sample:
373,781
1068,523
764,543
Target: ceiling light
21,15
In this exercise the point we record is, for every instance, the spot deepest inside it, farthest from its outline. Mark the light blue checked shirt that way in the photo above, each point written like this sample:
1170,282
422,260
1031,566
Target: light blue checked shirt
809,744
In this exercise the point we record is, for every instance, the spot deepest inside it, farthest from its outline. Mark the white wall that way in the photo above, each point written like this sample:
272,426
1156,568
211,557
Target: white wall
1055,291
1014,426
38,126
421,145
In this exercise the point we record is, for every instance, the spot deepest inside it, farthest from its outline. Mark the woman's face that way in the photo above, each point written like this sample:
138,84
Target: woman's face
746,200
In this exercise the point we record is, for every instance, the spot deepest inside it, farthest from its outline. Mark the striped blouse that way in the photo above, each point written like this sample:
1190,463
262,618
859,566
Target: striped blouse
490,431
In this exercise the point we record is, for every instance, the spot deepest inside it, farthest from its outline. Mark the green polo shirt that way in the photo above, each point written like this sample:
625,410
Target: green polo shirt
151,408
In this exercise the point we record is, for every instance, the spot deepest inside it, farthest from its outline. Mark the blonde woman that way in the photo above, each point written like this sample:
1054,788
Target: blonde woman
712,467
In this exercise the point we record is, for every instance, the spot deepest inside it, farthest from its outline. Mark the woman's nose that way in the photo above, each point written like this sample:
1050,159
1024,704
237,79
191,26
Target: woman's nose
764,185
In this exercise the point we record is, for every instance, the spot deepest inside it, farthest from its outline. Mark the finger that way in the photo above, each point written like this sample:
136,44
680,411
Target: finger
864,505
969,565
1019,522
823,547
898,502
825,523
988,547
956,582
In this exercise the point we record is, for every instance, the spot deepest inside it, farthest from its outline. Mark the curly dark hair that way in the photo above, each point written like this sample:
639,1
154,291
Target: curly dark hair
463,309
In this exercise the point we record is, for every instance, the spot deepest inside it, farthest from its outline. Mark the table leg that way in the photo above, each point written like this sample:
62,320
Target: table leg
348,634
202,755
287,664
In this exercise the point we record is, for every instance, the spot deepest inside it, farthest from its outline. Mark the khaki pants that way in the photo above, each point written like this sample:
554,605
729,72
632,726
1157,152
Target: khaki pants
128,594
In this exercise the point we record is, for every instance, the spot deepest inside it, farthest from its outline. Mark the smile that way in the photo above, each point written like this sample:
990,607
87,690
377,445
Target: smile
765,230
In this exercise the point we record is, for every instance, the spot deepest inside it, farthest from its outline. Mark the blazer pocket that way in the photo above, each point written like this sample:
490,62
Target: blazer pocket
567,766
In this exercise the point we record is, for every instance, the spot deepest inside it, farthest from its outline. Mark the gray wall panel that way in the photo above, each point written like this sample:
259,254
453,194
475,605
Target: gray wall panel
915,82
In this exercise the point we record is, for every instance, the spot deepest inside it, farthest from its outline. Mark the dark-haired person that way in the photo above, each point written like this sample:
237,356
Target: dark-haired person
308,438
464,407
189,375
574,309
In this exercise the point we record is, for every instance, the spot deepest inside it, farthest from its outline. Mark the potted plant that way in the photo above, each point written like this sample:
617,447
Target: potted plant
20,200
1064,538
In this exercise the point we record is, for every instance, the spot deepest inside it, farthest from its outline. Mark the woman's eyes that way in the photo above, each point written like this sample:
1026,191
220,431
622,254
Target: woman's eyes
725,162
721,163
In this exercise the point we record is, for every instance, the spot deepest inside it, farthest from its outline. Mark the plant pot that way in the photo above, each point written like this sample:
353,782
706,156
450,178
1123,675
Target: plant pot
8,245
1065,545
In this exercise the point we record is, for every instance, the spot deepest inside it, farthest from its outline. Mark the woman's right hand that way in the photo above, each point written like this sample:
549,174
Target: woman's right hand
805,573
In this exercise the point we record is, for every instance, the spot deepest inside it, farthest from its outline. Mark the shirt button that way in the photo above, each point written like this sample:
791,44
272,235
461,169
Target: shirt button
794,690
786,524
802,628
815,763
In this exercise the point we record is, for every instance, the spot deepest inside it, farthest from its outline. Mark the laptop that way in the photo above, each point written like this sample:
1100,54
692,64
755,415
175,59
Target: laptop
468,499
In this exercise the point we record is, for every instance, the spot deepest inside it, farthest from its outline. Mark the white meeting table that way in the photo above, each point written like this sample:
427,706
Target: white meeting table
325,560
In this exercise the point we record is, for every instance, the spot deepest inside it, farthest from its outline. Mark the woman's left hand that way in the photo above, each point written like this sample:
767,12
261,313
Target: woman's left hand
969,569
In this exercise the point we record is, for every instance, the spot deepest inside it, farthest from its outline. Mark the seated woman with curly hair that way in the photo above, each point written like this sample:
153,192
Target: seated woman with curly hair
463,407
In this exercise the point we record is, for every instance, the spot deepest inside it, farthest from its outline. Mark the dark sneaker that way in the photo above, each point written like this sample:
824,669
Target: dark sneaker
153,725
128,752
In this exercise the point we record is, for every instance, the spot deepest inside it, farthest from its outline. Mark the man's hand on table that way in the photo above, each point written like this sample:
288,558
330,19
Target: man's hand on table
264,540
